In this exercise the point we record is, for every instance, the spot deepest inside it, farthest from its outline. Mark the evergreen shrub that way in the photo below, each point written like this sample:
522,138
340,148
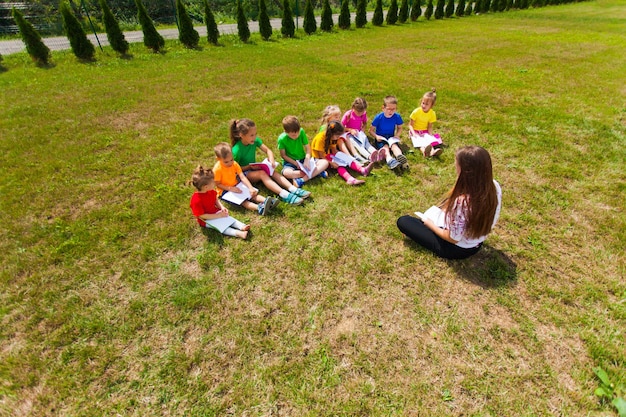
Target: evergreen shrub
416,10
242,23
310,24
81,46
439,9
288,28
429,10
403,14
327,17
449,11
114,33
344,15
187,35
361,13
377,19
35,47
151,38
392,13
212,32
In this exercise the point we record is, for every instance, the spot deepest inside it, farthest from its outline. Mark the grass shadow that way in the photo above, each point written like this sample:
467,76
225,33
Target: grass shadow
213,236
3,69
489,268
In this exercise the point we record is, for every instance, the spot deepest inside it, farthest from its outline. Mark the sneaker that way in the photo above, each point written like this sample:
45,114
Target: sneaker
436,152
272,202
403,161
375,156
298,182
427,150
302,193
262,208
292,199
393,163
324,174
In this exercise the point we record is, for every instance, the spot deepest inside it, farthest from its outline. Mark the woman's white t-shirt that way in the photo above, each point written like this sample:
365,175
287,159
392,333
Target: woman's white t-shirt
457,228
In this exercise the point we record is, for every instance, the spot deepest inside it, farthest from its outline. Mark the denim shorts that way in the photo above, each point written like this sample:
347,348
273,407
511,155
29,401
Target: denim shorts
289,165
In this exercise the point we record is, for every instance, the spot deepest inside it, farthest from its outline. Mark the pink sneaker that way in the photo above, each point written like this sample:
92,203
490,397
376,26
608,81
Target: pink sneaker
375,156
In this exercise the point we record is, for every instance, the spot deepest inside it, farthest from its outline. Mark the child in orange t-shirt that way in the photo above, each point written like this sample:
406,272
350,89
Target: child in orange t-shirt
228,175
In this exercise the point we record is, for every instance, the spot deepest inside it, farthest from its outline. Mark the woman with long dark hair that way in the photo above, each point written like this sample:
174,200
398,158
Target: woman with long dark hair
469,210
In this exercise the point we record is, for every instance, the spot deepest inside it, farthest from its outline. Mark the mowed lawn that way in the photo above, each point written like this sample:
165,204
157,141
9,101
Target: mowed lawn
114,302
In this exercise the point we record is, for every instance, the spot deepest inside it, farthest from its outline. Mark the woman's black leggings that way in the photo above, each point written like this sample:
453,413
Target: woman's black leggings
415,229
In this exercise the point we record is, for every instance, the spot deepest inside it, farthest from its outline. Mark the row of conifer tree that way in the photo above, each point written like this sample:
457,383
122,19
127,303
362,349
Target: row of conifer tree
188,36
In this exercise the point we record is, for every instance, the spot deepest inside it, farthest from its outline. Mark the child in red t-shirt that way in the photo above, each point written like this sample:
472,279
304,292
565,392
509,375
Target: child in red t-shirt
206,206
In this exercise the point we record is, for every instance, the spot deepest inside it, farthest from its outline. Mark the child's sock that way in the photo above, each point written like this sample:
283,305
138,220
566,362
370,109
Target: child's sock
293,189
343,172
358,168
285,193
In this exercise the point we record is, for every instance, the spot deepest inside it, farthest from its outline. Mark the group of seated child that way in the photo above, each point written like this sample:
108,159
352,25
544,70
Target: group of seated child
340,143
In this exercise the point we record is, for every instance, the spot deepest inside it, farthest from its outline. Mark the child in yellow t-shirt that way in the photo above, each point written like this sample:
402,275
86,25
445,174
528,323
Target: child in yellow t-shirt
421,126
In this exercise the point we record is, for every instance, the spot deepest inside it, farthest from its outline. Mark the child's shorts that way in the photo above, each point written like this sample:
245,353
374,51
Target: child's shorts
290,165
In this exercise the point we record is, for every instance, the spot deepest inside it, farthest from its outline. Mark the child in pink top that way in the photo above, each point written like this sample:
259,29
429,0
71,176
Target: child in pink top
354,121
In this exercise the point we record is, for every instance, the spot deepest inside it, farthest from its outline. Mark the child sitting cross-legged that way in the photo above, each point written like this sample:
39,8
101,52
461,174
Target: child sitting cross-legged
228,175
294,148
386,128
244,140
421,126
325,145
206,206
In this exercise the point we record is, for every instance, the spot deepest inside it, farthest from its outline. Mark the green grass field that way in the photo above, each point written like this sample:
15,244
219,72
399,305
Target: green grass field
114,302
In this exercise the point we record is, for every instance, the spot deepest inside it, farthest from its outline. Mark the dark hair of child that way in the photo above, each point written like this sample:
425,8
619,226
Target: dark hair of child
334,128
239,127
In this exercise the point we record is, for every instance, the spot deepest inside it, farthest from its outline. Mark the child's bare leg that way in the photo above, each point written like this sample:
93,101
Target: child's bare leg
284,182
388,155
256,176
291,173
249,205
351,150
396,150
320,166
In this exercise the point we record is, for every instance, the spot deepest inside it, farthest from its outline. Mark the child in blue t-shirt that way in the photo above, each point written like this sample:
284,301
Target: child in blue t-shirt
386,128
